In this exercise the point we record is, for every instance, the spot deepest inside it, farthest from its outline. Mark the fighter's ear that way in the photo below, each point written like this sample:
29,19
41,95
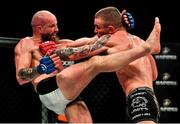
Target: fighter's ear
39,28
111,29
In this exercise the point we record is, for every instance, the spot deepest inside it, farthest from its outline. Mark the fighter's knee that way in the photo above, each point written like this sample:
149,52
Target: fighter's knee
60,77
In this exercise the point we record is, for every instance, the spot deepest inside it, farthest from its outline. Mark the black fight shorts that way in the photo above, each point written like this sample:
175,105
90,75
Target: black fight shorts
47,85
142,105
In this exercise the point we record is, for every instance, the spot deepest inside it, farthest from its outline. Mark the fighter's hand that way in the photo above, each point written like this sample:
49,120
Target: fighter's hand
49,64
57,62
47,48
128,19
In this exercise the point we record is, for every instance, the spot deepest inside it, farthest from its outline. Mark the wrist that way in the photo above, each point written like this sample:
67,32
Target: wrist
41,69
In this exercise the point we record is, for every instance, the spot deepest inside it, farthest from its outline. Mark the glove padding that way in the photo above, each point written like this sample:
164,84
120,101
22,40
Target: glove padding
47,48
46,65
130,19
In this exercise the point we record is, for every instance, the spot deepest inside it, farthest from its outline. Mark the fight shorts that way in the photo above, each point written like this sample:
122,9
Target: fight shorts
142,105
51,96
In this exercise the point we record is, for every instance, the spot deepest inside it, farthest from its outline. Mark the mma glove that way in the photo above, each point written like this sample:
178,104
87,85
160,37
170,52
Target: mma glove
47,47
130,20
46,66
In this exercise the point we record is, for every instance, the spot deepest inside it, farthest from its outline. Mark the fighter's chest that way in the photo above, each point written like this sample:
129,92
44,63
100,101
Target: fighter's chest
36,54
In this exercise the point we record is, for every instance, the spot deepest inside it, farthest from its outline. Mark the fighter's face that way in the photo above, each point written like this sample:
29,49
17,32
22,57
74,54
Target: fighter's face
48,37
49,32
100,28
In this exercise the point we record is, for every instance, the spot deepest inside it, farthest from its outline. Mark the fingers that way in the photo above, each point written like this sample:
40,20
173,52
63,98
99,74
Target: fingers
53,56
126,20
123,12
57,62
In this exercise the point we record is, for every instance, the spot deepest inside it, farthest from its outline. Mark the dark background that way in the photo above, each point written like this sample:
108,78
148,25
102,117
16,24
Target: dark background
103,96
76,18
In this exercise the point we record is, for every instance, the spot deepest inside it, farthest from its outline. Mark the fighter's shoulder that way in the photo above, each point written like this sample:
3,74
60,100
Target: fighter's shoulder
132,35
136,38
25,40
23,43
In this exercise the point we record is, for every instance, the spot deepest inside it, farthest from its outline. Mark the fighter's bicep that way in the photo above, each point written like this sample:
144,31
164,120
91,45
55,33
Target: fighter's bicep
22,59
85,41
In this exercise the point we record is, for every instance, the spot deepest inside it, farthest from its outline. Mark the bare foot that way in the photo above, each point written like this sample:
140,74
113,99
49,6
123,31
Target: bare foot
153,41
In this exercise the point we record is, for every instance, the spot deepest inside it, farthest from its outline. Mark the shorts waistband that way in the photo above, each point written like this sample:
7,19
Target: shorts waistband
141,89
47,85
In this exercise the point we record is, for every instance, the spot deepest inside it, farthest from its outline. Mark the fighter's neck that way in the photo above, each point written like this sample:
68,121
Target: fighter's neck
36,39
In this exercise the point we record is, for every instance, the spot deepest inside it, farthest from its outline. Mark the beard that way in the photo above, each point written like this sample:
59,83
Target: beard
49,37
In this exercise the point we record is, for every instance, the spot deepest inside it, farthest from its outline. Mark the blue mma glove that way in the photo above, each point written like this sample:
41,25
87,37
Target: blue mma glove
46,65
131,21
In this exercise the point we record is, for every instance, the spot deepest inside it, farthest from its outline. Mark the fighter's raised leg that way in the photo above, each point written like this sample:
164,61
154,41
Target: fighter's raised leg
154,38
75,78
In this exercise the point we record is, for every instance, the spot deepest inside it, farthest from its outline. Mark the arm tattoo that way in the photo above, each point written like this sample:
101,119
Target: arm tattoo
83,50
28,73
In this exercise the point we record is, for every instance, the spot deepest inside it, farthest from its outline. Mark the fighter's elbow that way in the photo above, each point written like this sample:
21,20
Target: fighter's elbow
21,81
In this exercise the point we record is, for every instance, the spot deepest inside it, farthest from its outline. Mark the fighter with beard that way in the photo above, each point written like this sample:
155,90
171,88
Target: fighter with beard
29,62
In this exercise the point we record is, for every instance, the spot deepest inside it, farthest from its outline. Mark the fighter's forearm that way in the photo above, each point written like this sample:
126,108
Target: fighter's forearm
82,51
65,53
28,73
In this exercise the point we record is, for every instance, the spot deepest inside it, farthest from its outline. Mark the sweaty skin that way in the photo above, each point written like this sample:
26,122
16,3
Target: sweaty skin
27,56
141,72
84,72
72,80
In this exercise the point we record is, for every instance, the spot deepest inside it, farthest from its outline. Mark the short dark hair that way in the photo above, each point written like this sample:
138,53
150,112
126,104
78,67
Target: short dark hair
110,15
